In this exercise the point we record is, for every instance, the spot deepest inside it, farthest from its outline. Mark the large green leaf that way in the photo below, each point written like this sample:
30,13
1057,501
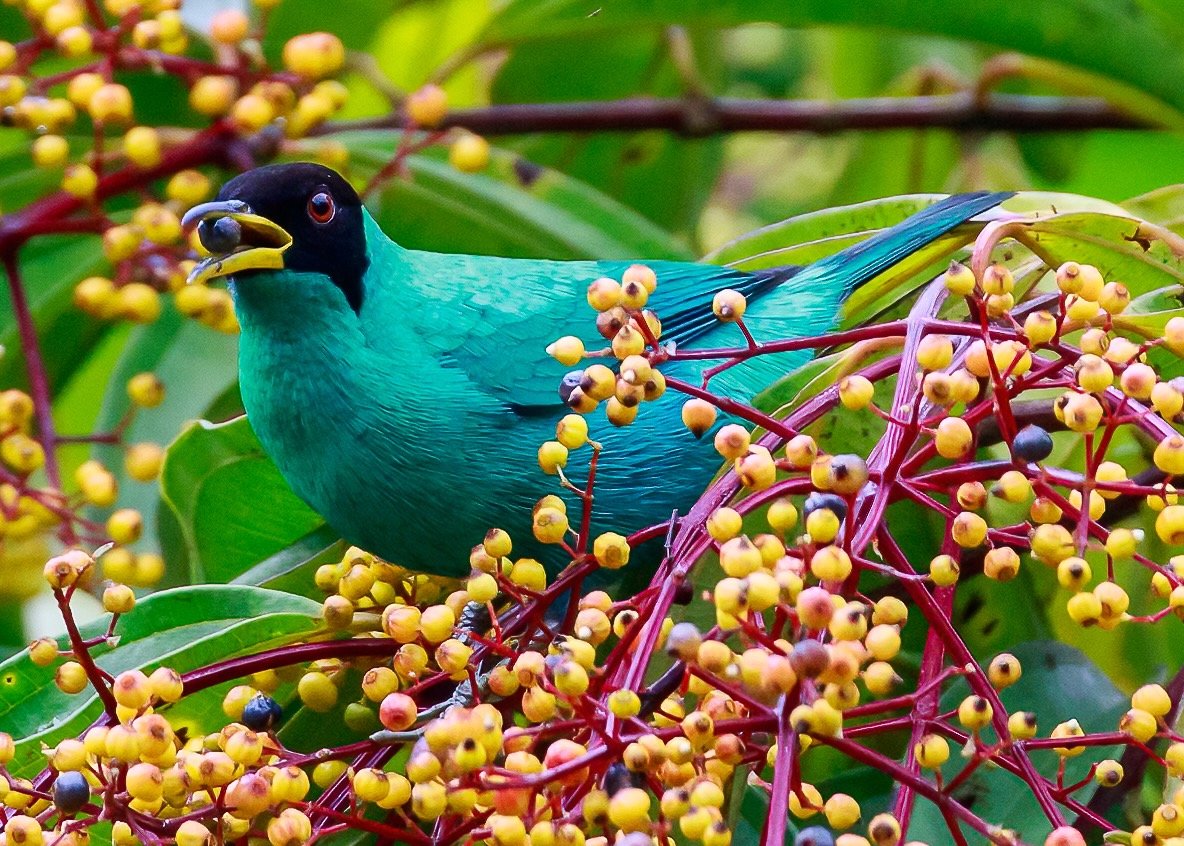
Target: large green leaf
817,234
1058,683
234,507
1110,243
809,237
184,628
1136,48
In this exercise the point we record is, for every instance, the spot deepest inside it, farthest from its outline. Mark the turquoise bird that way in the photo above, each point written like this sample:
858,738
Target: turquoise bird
404,394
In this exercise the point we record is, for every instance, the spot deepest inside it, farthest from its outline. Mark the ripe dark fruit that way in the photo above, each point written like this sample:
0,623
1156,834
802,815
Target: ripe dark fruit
815,835
834,502
809,658
70,792
220,236
618,777
570,382
261,713
1032,443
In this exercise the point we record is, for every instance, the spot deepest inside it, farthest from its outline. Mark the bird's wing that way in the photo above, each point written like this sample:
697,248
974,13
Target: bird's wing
493,318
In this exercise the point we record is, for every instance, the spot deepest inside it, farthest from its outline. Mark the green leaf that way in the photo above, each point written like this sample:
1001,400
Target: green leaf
184,628
292,567
1110,242
1058,683
809,237
50,267
197,366
513,208
817,234
234,507
665,177
417,38
1164,206
1136,49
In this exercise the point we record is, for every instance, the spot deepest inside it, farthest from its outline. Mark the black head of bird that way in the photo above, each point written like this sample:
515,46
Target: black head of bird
301,217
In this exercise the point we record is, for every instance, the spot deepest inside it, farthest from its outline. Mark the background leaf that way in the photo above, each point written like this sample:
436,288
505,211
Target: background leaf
217,479
183,628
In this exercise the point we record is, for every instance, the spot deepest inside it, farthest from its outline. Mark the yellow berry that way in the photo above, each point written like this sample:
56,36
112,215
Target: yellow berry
1109,773
118,599
975,712
125,526
80,181
50,151
552,456
1021,725
1040,327
935,352
698,416
469,153
953,438
229,26
728,305
1004,670
856,392
732,441
830,564
997,279
427,106
143,461
969,530
782,515
611,550
110,102
317,691
1084,609
959,279
131,689
1153,699
724,523
314,55
141,145
931,751
1139,724
1169,525
213,96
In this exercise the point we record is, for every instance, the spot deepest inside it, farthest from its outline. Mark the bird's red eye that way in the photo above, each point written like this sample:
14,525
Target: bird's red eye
321,207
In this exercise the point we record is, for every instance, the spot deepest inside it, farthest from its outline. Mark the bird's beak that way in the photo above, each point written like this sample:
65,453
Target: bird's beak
249,242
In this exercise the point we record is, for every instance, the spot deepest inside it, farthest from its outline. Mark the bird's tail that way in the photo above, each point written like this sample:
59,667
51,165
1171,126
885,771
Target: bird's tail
869,258
806,301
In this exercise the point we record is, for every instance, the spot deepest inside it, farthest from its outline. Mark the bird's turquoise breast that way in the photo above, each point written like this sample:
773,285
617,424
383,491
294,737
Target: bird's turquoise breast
378,422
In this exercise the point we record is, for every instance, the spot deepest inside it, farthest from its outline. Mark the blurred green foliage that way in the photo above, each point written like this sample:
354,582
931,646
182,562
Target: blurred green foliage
648,194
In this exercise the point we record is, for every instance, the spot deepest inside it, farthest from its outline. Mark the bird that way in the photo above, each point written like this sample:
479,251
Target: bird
404,394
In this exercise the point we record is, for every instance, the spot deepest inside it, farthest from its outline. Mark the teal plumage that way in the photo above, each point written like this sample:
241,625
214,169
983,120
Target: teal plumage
412,423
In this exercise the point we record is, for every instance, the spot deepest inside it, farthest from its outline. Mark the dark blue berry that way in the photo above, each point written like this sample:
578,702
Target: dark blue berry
1032,444
220,236
261,713
570,382
70,792
618,777
834,502
815,835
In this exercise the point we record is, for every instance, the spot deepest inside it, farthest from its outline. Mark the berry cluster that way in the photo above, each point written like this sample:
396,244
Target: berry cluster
1001,417
477,716
103,173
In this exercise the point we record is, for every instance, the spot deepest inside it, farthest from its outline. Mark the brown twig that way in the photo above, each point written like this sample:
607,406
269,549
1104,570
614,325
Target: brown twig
702,116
